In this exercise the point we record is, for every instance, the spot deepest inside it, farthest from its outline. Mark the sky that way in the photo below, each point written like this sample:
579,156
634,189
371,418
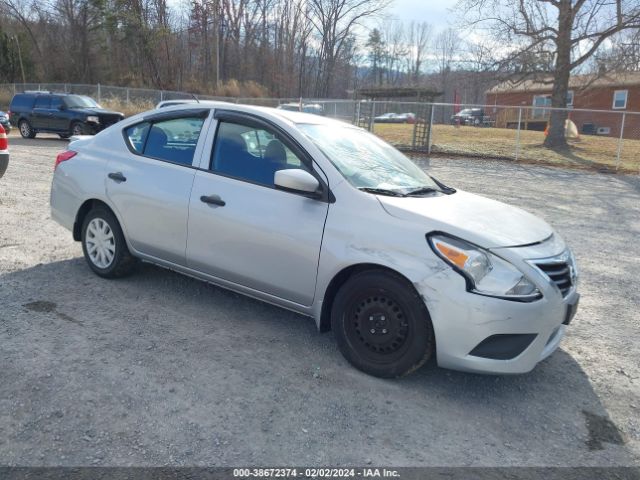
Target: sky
435,12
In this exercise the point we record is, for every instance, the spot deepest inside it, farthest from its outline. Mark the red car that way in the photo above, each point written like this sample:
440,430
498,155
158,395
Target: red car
4,151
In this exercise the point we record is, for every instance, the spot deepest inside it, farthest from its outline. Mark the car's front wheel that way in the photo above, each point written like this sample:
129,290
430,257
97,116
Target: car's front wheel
26,130
381,324
104,246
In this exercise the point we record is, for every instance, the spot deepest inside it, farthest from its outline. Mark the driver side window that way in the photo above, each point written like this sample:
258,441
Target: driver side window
251,154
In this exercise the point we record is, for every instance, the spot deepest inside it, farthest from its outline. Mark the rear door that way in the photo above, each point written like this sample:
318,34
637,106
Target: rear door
150,184
40,117
256,235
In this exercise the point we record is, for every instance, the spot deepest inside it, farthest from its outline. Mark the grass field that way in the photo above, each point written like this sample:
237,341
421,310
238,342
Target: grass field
591,152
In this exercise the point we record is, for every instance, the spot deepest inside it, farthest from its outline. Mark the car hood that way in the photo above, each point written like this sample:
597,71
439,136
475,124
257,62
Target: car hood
485,222
96,111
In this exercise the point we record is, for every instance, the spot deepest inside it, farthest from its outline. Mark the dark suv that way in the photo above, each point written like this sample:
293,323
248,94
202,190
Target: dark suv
63,113
468,116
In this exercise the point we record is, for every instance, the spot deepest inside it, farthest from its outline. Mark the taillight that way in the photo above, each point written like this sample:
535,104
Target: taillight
64,156
4,143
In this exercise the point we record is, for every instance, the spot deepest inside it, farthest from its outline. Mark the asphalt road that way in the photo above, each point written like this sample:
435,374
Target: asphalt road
160,369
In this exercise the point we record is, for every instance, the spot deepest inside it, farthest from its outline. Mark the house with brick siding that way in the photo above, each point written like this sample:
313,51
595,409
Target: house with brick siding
617,93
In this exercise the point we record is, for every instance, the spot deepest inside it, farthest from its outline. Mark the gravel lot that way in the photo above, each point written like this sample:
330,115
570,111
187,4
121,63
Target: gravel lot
162,369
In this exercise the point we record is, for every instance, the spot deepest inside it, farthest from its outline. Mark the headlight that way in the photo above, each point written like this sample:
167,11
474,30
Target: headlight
93,118
486,273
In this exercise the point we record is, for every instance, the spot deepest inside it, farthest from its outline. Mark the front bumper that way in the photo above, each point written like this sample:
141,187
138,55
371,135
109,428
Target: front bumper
6,126
462,321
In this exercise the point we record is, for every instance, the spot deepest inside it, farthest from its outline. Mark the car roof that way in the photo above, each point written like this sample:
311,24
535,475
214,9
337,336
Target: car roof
288,115
42,92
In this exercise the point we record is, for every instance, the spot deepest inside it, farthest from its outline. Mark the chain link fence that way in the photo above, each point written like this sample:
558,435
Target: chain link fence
601,139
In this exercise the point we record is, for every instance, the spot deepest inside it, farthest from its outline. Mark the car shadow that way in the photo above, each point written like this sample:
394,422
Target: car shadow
41,141
187,362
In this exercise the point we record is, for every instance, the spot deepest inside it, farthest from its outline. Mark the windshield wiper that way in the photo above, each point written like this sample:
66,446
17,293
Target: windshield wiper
381,191
443,187
422,191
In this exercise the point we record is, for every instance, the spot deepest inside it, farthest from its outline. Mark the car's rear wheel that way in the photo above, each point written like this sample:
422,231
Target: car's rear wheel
26,130
64,136
77,128
382,325
104,246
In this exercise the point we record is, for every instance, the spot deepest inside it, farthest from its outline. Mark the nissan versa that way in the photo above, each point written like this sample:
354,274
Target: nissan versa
327,220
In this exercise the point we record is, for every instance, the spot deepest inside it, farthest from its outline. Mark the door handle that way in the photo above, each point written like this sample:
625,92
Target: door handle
117,176
213,200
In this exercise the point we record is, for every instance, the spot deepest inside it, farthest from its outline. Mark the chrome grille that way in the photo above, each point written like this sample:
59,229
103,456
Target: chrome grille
560,270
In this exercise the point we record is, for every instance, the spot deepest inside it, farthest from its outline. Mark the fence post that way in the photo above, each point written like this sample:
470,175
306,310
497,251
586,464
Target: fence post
161,95
99,94
430,127
620,140
371,118
127,97
335,109
518,133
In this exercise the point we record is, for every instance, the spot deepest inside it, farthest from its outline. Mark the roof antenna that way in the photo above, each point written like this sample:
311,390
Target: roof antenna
195,98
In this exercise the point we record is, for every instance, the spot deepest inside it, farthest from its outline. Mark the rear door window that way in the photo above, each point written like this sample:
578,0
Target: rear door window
42,102
137,135
172,140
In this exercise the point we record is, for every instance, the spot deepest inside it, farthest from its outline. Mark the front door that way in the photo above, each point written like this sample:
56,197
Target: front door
150,185
253,234
59,120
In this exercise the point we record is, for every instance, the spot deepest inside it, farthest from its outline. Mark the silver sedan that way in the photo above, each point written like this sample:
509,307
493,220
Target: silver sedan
322,218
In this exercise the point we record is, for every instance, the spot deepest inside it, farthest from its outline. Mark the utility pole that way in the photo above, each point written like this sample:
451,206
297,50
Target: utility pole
15,37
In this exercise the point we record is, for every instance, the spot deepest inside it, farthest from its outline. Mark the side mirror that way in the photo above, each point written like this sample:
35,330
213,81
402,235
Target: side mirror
62,107
296,180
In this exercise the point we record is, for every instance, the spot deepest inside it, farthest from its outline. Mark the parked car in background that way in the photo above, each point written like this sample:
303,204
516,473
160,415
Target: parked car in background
314,108
173,103
62,113
4,151
325,219
468,116
4,121
395,118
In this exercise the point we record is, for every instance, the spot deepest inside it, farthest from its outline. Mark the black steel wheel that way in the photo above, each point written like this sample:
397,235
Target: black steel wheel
381,324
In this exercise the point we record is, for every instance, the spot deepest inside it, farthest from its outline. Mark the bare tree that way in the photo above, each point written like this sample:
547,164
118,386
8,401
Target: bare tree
334,21
570,32
393,36
418,39
447,47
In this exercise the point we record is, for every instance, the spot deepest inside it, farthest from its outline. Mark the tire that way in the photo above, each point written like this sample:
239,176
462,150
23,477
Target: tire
104,246
64,136
26,130
77,128
381,324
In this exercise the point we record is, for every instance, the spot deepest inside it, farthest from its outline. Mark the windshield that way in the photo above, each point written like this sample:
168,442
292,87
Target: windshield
366,161
80,101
